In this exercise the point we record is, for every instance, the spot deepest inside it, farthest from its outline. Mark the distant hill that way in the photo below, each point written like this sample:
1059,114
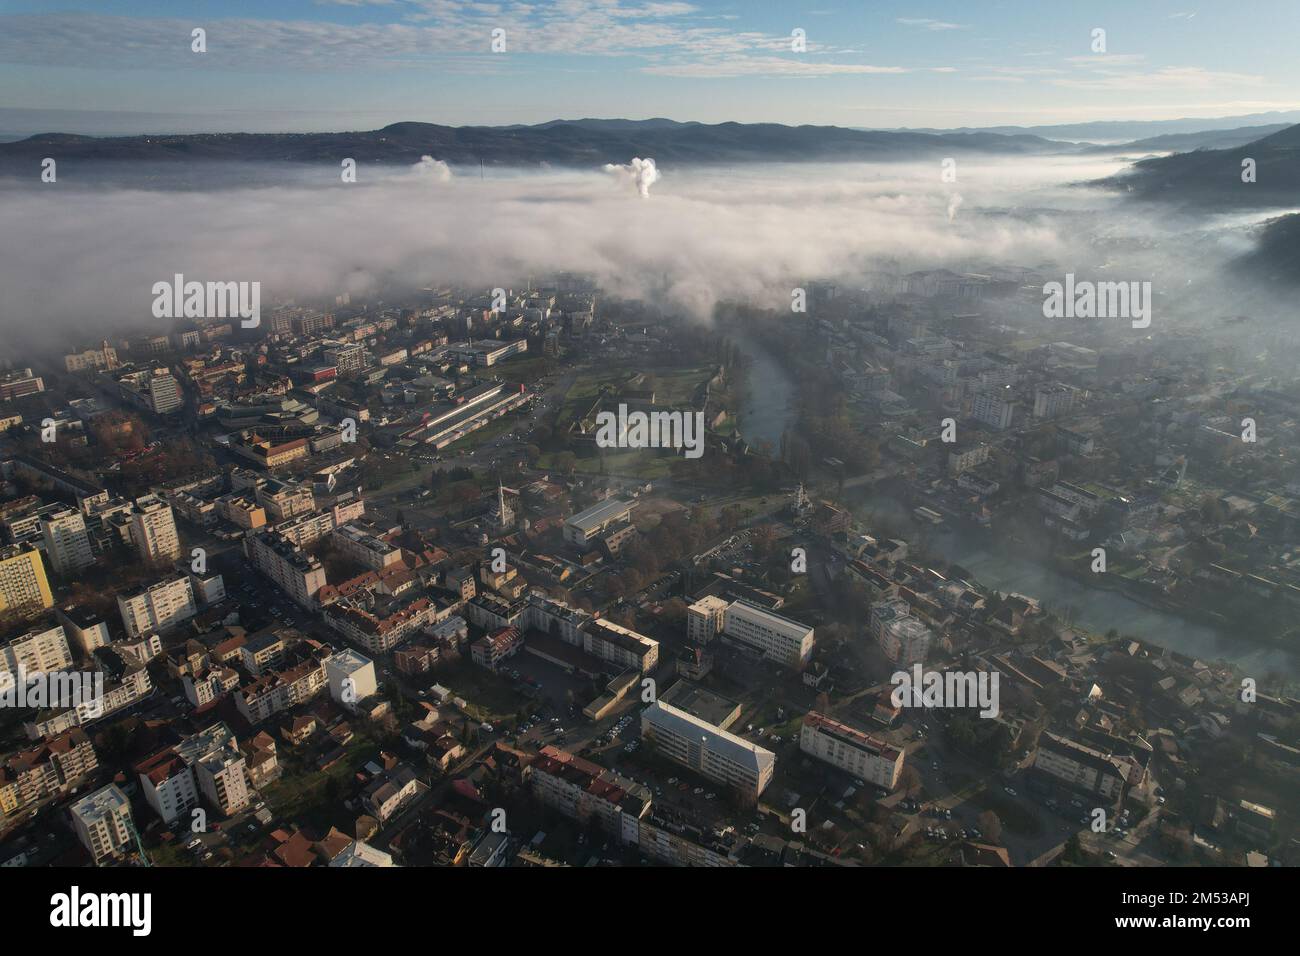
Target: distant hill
1212,178
1186,142
1125,131
1277,258
582,143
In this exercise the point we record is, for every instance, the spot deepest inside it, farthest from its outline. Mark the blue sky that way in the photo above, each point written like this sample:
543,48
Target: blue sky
357,64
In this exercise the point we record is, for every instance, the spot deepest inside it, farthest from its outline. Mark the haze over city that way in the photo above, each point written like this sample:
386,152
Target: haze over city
645,433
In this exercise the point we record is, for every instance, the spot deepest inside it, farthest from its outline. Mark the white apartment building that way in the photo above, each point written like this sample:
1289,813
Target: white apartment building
278,691
66,541
219,769
1080,766
167,784
779,638
1052,400
102,821
995,408
37,652
906,641
87,630
153,530
709,751
208,588
368,550
293,570
134,685
851,750
883,613
620,646
157,607
705,619
351,677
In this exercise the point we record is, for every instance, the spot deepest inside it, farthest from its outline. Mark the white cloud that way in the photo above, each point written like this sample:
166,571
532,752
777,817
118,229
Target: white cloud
927,24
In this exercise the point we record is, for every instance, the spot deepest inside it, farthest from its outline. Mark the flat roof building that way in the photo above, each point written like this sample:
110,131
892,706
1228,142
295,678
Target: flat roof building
708,750
585,527
779,638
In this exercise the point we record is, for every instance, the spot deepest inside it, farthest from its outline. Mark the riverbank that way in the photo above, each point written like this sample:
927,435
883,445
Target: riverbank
994,564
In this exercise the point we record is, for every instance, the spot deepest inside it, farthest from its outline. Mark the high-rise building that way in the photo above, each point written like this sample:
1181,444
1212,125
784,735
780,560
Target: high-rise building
66,541
23,584
37,652
102,821
351,677
153,530
157,607
1052,400
995,408
704,619
219,767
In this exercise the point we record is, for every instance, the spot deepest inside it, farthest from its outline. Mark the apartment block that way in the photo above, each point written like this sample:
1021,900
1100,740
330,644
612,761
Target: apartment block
157,607
219,768
778,638
278,691
851,750
351,677
293,570
153,530
620,646
66,541
1082,767
709,751
102,822
705,619
23,584
37,652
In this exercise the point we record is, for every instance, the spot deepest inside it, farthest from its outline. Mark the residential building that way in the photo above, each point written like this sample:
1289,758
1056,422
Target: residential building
37,652
23,584
491,649
705,619
87,629
278,691
102,822
66,541
995,408
157,607
219,768
153,530
620,646
709,751
351,677
852,751
778,638
1081,766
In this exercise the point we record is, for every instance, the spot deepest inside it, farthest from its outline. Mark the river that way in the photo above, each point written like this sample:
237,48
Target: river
769,409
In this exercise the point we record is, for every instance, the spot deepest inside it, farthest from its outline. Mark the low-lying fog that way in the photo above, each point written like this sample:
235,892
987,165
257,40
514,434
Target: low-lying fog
79,257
